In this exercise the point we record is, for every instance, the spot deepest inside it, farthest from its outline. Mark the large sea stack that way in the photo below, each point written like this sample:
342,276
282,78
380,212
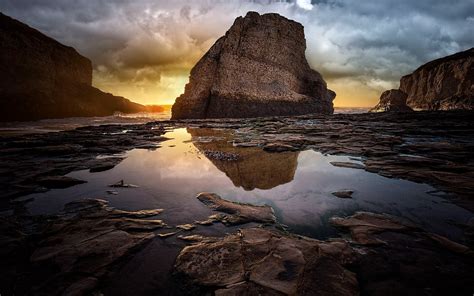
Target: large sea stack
258,68
42,78
443,84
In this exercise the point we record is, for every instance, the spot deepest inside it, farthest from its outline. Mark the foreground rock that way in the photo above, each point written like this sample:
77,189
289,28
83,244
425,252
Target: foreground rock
42,78
442,84
389,258
393,100
270,263
237,213
257,69
73,251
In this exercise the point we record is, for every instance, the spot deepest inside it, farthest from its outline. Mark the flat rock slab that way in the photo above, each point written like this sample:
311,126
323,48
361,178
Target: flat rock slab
264,261
382,257
237,213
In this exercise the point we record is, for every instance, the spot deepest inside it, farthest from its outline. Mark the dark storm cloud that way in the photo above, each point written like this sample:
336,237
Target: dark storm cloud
370,42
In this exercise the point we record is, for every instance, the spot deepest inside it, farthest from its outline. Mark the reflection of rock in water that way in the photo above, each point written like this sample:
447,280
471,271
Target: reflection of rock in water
254,168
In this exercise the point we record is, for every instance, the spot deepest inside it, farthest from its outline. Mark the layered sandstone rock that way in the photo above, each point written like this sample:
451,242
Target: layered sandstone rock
443,84
392,100
258,68
42,78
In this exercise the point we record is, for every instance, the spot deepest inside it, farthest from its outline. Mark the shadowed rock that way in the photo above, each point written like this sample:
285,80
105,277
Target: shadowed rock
238,213
83,242
393,100
258,68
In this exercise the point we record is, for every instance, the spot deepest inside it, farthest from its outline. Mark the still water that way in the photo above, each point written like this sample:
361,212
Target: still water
298,185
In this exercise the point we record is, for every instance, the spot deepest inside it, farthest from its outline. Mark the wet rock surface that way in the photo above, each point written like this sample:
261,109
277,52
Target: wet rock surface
381,256
265,261
68,254
258,68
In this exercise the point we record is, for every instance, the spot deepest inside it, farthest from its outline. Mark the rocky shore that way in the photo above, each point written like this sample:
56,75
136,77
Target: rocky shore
89,246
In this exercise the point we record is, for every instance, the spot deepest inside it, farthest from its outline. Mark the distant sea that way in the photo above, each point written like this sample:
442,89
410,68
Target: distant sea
54,125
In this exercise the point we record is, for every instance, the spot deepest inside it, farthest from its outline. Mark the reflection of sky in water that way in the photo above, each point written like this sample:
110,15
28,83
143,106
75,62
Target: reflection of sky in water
170,178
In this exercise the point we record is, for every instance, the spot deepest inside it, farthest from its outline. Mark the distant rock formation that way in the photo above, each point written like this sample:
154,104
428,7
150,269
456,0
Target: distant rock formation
393,100
42,78
257,69
443,84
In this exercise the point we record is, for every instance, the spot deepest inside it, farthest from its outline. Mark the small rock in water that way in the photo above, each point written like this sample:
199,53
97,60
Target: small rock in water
122,184
186,226
112,192
343,193
207,222
167,234
192,238
346,164
236,213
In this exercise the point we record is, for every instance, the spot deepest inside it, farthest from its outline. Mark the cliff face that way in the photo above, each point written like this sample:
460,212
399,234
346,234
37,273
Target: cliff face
443,84
41,78
257,69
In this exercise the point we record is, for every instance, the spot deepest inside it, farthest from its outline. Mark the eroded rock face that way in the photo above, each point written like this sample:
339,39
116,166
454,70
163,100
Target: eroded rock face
257,69
443,84
42,78
393,100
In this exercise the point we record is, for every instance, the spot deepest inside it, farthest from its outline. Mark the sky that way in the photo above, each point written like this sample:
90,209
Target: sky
145,49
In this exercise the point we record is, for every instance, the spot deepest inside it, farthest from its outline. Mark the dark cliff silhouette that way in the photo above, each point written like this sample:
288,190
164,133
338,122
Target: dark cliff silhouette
42,78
